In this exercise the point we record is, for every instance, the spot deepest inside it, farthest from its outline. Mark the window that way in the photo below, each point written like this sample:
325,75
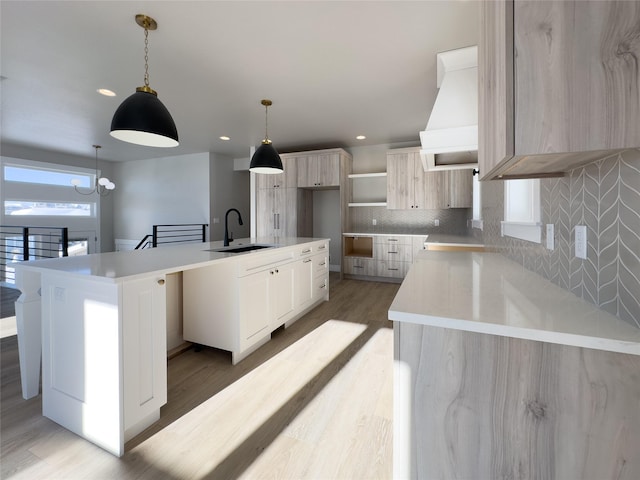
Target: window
12,207
522,210
44,176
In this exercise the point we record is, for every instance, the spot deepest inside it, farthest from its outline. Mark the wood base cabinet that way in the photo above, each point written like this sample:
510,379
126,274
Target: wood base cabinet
558,85
473,405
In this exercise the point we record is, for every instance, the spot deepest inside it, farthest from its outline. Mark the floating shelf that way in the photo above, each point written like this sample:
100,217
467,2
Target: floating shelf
367,175
368,204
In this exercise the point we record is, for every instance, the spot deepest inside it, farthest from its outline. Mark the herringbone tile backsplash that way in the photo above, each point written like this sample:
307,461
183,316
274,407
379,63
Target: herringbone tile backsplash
604,196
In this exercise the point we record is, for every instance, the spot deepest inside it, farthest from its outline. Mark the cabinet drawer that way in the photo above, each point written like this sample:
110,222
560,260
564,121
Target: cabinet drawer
394,269
320,264
359,266
397,240
394,252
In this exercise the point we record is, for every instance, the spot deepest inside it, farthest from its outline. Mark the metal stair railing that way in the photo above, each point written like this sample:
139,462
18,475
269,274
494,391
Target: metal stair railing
176,233
22,243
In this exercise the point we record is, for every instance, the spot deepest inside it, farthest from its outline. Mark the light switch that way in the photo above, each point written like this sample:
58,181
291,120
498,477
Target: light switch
581,241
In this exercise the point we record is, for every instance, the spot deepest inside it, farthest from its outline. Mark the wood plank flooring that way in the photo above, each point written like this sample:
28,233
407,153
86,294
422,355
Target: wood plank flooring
314,402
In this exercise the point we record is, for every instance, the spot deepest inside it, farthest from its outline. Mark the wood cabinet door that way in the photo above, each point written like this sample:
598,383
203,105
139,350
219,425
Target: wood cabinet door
460,188
576,75
265,212
328,173
306,171
436,190
495,86
400,181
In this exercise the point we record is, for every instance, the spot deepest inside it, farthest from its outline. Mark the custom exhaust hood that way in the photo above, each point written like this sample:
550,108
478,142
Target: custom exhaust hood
450,140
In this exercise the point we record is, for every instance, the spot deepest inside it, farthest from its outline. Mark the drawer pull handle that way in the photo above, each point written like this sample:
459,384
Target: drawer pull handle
161,281
392,240
323,286
323,264
358,266
393,269
322,247
306,261
392,252
306,251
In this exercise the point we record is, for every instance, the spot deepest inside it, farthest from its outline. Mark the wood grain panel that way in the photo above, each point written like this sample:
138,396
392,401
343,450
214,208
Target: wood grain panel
493,407
576,67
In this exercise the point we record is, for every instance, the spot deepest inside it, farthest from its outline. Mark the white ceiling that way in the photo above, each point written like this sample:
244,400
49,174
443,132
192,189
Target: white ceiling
334,70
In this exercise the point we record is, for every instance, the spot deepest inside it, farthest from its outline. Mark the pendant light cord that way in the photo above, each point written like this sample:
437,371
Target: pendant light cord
146,55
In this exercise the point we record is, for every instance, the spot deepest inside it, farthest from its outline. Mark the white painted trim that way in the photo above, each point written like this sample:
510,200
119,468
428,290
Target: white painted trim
530,231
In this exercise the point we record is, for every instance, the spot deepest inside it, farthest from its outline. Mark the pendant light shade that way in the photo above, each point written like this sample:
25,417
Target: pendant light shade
266,159
142,118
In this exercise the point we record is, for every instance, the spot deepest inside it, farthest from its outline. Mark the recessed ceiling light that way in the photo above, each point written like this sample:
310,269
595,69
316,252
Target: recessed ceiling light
225,138
360,137
106,92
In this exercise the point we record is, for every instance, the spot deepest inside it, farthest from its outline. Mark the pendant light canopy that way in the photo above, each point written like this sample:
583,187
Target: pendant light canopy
142,118
102,186
266,158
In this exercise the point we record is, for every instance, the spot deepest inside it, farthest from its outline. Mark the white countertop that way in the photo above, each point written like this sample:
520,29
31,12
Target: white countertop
435,238
115,266
488,293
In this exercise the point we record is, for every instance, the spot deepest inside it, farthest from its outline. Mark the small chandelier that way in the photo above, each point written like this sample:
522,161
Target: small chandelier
266,158
102,186
142,118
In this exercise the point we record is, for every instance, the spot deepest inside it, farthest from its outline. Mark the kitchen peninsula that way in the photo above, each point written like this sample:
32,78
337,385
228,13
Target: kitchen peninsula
501,374
99,322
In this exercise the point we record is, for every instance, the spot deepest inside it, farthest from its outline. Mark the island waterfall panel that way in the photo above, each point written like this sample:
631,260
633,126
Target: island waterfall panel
485,406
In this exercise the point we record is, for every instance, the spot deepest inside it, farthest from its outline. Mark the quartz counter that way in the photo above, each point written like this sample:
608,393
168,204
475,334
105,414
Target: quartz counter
488,293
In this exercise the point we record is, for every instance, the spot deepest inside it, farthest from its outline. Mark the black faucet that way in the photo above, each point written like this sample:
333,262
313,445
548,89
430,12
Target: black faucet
226,225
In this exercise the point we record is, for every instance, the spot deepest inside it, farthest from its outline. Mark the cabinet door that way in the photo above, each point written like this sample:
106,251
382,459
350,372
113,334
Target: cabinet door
281,288
288,212
328,170
303,282
253,300
436,190
266,215
495,85
307,171
460,188
576,76
287,179
144,337
400,181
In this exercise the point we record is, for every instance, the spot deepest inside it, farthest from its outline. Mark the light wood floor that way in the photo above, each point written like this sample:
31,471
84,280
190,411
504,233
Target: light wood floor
315,402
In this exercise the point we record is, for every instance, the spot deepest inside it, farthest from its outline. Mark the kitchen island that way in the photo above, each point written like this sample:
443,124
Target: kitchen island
501,374
99,324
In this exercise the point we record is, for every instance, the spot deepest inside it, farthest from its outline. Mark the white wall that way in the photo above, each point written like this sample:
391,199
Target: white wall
160,191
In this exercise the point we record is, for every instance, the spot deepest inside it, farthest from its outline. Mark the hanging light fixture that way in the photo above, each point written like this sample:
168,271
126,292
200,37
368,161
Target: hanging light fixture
102,185
266,158
142,118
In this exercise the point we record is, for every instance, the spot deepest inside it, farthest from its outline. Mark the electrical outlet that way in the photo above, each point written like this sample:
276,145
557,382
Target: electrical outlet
374,221
436,222
581,241
550,236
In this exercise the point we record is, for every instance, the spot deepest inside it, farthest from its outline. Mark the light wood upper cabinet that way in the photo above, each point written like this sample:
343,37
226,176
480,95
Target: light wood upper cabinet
410,187
318,170
287,179
460,193
558,85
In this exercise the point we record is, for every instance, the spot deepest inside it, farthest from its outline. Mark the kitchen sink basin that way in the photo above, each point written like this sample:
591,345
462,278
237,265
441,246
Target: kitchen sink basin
240,249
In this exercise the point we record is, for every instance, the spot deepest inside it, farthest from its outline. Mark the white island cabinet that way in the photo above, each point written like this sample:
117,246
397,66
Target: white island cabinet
98,323
236,306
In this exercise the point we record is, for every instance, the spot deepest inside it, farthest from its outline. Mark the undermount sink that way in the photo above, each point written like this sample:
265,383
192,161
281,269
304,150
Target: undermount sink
239,249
